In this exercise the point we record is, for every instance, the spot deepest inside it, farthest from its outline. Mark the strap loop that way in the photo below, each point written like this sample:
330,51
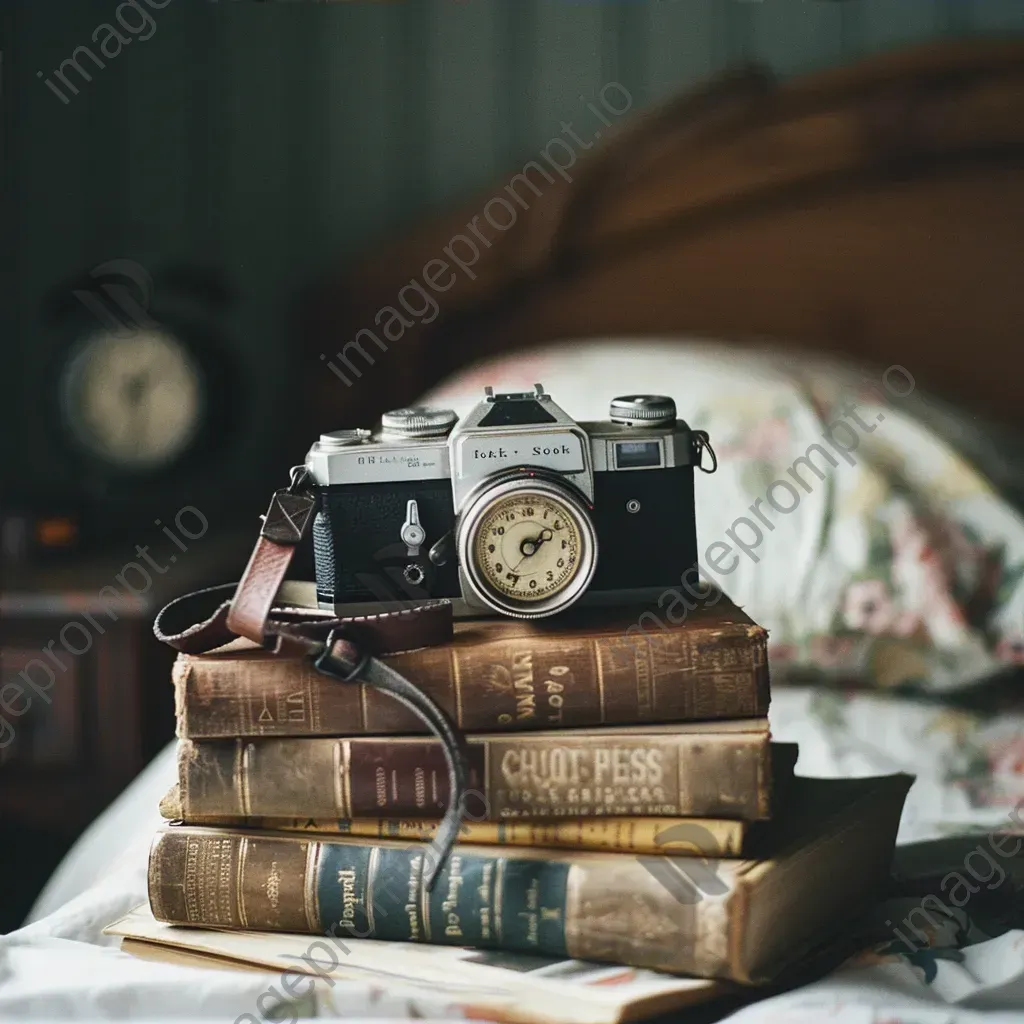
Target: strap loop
701,444
346,664
341,649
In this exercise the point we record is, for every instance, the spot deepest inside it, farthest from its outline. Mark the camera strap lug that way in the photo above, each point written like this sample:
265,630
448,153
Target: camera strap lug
702,443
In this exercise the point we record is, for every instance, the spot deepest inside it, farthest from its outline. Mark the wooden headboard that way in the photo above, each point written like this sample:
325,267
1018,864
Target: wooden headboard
873,213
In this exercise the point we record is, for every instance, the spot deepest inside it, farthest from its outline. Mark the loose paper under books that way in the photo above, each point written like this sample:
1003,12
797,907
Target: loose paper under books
483,984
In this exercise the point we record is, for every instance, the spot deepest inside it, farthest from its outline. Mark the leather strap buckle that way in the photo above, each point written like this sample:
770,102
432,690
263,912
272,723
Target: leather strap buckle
348,664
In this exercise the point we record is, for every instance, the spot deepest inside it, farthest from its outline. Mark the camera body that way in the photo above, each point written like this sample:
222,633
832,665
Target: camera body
517,509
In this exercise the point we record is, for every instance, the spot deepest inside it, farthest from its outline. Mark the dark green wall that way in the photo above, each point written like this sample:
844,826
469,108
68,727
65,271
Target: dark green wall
271,140
272,136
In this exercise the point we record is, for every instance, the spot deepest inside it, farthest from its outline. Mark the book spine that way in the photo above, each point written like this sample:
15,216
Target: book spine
531,682
613,908
574,775
670,836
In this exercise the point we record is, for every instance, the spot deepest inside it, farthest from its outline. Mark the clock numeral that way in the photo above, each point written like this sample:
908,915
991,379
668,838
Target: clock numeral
498,567
499,532
565,544
513,577
551,576
533,584
560,563
490,548
528,512
558,524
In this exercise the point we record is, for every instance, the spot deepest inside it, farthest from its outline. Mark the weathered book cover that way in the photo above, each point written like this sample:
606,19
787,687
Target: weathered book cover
706,837
709,770
741,920
587,669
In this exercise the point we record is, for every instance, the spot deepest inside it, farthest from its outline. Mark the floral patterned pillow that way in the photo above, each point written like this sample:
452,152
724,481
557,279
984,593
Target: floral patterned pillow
870,549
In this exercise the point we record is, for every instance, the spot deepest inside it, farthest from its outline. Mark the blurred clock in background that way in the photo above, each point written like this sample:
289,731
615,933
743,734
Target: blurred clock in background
138,397
133,399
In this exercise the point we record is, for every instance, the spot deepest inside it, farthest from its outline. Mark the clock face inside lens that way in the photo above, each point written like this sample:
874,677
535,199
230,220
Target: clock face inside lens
133,399
528,546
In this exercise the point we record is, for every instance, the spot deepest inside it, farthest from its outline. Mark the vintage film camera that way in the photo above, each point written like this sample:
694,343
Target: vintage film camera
516,509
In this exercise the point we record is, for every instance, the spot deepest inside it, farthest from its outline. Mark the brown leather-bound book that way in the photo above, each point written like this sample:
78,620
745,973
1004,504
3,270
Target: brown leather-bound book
622,667
742,920
693,770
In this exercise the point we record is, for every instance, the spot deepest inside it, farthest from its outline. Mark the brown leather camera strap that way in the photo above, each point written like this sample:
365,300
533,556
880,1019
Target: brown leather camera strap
343,649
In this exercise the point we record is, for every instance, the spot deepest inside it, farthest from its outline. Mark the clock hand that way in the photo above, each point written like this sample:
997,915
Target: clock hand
529,547
134,389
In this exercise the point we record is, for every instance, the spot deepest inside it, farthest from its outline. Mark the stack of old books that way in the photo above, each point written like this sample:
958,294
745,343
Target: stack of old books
628,805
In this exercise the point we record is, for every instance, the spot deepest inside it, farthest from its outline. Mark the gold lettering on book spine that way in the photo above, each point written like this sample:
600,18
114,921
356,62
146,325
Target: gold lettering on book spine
292,708
617,779
484,892
522,685
272,886
530,913
412,903
450,905
347,879
192,880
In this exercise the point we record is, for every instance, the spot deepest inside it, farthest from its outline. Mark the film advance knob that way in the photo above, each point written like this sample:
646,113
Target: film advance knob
642,410
418,422
338,439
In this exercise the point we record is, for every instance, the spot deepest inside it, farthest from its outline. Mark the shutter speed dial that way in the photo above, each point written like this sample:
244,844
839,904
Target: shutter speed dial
418,421
642,410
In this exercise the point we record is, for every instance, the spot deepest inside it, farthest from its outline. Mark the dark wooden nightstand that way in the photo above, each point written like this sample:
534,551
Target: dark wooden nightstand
85,698
81,702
